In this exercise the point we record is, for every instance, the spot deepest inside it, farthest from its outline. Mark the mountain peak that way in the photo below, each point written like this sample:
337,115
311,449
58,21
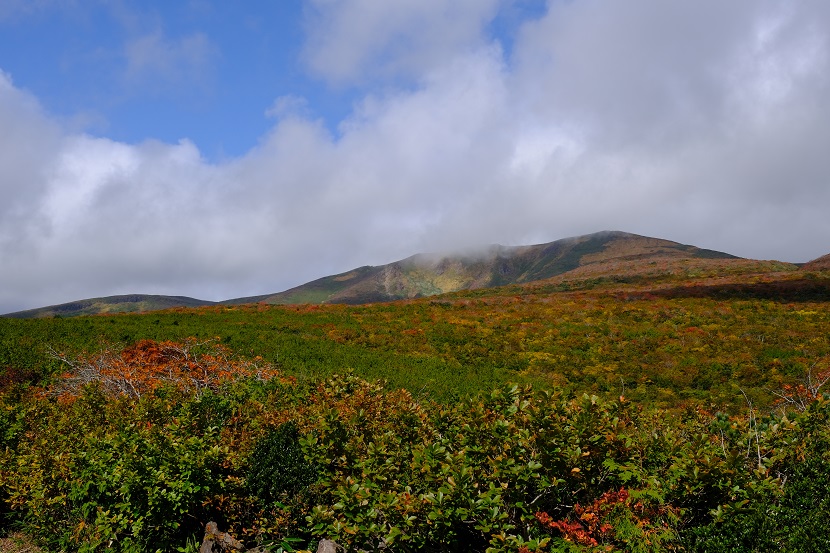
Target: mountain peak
429,274
600,254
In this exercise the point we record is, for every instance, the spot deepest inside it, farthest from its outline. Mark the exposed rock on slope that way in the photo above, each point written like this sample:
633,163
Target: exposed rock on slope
430,274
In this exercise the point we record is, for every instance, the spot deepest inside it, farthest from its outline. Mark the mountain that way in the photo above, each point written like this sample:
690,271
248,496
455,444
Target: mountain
820,264
132,303
602,253
598,255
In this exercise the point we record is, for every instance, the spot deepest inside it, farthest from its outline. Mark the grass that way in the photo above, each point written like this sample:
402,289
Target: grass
18,543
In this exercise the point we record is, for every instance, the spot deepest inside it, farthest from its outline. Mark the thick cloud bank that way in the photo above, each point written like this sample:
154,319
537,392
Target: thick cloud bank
702,122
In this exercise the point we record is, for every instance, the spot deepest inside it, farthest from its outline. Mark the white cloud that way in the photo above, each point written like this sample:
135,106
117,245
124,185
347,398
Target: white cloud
701,122
286,106
351,41
28,144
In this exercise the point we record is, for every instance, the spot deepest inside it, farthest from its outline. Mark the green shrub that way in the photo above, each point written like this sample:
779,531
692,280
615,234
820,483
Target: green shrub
96,475
277,468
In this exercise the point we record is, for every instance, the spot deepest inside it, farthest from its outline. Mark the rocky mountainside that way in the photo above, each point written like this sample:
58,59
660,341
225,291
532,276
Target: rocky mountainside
421,275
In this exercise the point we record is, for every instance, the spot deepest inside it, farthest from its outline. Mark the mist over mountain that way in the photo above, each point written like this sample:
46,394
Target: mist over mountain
430,274
597,255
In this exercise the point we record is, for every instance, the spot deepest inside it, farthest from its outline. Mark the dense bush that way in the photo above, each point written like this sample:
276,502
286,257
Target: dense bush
792,516
518,469
277,467
515,469
112,474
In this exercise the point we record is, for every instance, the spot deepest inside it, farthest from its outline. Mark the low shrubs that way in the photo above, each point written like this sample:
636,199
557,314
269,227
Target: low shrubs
283,464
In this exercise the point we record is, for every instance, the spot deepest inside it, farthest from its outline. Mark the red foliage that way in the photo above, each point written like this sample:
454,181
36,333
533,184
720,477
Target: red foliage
571,531
148,365
801,395
590,526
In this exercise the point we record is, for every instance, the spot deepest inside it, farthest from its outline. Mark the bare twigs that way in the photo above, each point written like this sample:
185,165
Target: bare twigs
192,366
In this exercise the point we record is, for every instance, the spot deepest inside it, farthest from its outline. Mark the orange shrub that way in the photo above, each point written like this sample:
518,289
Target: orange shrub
147,365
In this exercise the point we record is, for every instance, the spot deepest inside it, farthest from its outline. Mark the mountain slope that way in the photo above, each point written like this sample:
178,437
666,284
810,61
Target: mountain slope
131,303
431,274
820,264
598,255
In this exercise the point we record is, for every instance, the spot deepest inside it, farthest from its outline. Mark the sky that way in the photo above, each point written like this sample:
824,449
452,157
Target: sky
219,149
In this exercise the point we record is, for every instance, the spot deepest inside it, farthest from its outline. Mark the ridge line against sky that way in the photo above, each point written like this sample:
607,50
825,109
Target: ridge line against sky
215,149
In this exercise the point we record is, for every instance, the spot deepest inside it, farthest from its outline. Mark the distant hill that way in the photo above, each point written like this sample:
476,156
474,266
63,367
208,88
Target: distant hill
131,303
421,275
820,264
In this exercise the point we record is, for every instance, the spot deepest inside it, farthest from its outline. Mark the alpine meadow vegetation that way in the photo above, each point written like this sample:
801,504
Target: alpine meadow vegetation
598,416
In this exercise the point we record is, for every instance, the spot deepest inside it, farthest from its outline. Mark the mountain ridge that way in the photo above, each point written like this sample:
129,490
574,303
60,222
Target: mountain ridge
431,274
593,255
123,303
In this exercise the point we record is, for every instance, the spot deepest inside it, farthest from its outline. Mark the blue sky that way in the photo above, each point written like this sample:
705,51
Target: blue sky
225,148
205,71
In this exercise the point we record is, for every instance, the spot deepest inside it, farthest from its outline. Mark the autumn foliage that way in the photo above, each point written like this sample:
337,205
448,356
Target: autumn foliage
644,417
601,521
800,395
282,465
136,370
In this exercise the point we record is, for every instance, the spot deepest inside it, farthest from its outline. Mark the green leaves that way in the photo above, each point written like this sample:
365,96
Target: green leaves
277,468
126,481
510,470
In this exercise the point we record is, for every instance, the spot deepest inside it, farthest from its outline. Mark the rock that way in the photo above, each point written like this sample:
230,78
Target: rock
328,546
217,542
222,542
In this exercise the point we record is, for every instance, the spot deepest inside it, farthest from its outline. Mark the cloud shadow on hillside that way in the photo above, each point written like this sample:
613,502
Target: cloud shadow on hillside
787,291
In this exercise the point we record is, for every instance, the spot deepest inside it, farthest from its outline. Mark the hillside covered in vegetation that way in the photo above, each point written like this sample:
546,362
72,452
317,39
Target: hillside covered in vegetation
673,406
423,275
